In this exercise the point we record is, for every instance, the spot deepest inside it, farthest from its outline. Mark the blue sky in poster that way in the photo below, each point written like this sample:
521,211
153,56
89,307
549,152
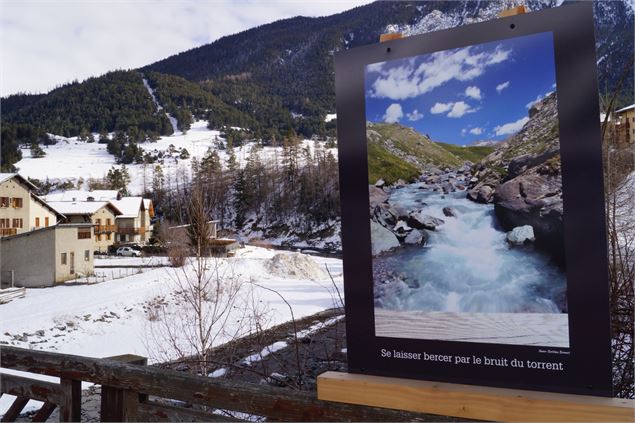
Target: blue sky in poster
480,92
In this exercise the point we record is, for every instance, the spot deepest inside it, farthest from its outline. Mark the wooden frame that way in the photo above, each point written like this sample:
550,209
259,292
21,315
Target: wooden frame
472,402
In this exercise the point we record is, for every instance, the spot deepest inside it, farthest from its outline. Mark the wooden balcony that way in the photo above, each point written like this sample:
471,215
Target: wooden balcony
131,231
105,228
8,231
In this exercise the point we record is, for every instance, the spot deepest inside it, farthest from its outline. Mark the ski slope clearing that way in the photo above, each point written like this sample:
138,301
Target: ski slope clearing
71,159
117,316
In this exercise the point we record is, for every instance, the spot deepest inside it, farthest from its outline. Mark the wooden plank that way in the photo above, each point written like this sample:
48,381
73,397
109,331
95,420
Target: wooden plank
14,411
152,411
71,406
31,388
540,329
389,37
473,402
275,403
518,10
44,412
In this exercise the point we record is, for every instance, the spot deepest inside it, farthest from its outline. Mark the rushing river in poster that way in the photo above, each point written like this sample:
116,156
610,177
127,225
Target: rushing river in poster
465,185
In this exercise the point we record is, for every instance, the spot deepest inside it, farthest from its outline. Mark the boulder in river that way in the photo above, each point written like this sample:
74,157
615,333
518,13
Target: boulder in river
382,239
385,214
449,212
416,237
376,196
402,227
481,194
521,235
419,220
380,183
535,200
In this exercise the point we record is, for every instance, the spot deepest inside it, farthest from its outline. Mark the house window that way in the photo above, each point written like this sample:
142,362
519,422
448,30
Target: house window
46,222
37,222
4,201
108,236
64,258
17,202
4,223
86,255
82,234
17,223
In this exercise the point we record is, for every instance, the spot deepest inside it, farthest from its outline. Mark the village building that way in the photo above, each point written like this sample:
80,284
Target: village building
20,209
47,256
102,214
134,225
625,124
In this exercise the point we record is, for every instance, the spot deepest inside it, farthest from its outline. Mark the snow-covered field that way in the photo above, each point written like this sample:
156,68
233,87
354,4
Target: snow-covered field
71,159
114,317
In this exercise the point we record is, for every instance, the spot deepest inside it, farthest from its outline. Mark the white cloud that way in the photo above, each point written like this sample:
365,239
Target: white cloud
459,109
463,132
511,127
473,92
408,80
476,131
456,110
439,108
46,44
500,87
414,115
394,112
375,67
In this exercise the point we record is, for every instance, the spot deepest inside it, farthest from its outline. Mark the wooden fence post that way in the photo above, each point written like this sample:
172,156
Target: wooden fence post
71,409
121,405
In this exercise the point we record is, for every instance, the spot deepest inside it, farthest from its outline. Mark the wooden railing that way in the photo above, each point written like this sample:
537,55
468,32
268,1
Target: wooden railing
126,385
105,228
131,231
8,231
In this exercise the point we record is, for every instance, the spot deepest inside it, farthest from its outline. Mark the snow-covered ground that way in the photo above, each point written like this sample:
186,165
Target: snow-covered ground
71,159
115,317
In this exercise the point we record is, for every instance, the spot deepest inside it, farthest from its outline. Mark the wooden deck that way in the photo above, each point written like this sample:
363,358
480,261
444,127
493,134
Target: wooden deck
548,330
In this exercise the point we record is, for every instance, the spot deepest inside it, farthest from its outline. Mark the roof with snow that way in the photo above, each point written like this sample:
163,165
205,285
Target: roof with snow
77,195
81,207
25,181
129,206
632,106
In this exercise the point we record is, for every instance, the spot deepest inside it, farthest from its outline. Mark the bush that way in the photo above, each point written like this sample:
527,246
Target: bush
177,256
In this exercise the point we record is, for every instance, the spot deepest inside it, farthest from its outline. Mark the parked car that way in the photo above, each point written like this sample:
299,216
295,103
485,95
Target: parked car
128,252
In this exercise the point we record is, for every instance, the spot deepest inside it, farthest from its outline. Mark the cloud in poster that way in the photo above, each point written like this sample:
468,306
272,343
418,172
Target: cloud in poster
393,114
473,92
500,87
413,78
414,115
476,131
454,109
511,127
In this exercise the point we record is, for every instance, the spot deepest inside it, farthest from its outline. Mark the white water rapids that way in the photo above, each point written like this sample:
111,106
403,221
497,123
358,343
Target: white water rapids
467,265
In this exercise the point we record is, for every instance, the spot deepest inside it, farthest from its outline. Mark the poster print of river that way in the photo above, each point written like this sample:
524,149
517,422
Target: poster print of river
466,209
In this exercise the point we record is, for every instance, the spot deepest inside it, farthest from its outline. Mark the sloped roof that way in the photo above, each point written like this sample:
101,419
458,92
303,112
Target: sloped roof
129,206
77,195
22,179
632,106
81,207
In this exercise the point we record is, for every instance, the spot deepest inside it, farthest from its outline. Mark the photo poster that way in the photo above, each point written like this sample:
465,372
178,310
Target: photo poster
469,144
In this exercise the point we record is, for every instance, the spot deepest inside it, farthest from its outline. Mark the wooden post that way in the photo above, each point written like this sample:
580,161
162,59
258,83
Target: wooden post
390,36
518,10
472,402
71,409
122,405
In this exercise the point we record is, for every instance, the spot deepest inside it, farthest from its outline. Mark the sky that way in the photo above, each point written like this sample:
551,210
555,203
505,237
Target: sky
46,43
480,92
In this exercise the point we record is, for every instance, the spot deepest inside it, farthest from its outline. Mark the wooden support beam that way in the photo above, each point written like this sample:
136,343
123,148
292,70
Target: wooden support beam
472,402
71,407
14,411
44,412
